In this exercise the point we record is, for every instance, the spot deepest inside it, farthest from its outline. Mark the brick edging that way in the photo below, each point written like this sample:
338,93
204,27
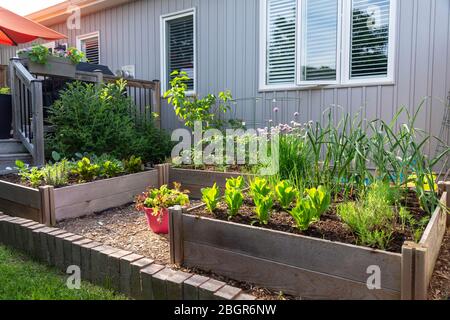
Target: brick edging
123,271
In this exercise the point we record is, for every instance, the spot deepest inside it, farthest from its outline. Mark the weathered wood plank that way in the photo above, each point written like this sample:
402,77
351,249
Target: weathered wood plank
176,235
201,177
432,238
279,276
104,188
20,194
18,210
79,209
333,258
407,286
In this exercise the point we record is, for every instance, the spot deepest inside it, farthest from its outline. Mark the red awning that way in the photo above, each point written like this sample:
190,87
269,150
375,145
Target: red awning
15,29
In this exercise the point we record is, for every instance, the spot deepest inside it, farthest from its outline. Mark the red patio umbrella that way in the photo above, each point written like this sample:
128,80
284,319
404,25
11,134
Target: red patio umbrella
15,29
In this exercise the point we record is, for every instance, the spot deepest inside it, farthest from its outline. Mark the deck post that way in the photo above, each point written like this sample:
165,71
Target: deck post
38,123
14,96
157,102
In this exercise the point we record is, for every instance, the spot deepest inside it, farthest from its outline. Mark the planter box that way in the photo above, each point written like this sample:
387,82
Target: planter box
49,205
5,116
56,66
194,180
303,266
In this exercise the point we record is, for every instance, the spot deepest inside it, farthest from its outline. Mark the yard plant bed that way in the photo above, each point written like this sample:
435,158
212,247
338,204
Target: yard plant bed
323,262
48,205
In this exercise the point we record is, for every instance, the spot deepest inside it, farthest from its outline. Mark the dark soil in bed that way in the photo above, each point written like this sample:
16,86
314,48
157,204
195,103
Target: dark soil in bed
330,227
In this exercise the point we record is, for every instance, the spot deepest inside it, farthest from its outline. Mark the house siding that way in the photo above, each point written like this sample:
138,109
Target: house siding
228,46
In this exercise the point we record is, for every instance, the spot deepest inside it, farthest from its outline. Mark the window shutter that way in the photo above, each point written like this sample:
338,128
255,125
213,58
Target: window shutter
370,38
319,40
281,21
91,47
181,47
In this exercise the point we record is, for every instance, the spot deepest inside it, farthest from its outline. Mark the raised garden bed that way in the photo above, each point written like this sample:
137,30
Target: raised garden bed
301,265
194,179
49,205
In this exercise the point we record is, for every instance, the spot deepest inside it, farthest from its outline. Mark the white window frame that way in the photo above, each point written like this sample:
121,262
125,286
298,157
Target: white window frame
163,37
342,52
88,36
299,45
346,40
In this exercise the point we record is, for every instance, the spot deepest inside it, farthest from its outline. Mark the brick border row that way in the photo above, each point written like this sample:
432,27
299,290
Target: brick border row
123,271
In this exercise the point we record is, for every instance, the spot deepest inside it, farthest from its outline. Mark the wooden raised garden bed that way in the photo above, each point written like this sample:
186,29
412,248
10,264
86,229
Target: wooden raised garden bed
303,266
49,205
194,180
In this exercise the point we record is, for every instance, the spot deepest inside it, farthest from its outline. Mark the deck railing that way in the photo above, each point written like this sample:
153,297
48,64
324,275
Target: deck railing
28,109
28,117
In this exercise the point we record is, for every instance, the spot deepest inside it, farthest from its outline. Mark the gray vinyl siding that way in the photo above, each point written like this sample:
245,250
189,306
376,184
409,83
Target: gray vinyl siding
228,52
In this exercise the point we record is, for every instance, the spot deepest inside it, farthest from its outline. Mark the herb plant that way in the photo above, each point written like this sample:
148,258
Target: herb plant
57,174
133,164
211,197
162,198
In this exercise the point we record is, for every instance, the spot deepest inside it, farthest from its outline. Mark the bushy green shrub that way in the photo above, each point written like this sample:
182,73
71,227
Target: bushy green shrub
96,120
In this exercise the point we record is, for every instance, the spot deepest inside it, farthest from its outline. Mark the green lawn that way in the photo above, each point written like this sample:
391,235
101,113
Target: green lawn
24,279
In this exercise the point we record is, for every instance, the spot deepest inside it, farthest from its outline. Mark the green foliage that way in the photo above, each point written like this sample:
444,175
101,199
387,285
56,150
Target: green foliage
285,193
304,213
31,175
262,197
86,171
233,195
263,207
235,183
111,168
321,199
96,119
133,164
162,198
38,54
75,56
373,218
195,109
211,197
234,200
5,90
57,174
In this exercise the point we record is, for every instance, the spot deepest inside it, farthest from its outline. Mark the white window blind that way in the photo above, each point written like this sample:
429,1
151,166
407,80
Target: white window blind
281,50
319,40
369,38
180,47
91,47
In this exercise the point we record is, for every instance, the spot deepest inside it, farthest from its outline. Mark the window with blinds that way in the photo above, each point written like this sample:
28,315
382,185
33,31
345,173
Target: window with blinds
281,33
91,47
319,40
369,38
180,47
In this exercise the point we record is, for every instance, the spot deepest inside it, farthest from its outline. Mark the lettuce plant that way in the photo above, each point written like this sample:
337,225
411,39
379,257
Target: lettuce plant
285,193
304,213
259,187
263,207
233,195
235,183
234,200
320,197
211,197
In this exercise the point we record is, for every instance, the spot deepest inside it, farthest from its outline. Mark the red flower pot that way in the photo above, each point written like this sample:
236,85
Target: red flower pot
160,223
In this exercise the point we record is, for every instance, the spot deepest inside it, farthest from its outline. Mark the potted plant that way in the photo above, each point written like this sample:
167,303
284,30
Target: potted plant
155,204
5,113
40,60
